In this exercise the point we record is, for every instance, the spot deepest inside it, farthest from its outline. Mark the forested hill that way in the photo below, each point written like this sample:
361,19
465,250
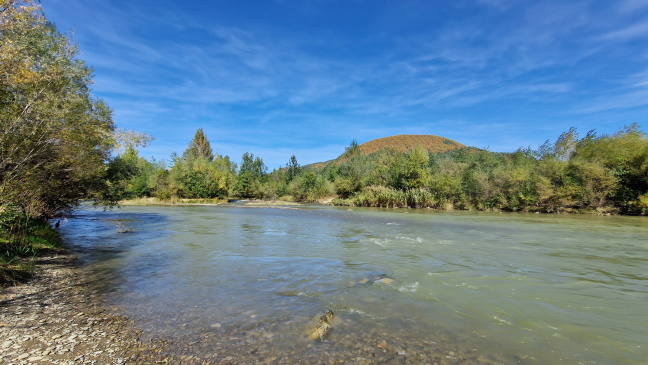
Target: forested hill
400,143
405,142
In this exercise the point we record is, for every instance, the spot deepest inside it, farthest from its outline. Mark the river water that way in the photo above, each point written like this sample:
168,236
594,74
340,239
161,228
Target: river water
246,284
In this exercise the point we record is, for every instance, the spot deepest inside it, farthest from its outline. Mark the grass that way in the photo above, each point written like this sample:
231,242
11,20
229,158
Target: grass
21,248
383,197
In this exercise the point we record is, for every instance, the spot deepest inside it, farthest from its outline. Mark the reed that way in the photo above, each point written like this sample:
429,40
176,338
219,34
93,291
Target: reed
384,197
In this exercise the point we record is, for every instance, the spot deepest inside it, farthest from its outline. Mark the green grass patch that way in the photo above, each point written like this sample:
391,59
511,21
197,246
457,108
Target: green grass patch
21,241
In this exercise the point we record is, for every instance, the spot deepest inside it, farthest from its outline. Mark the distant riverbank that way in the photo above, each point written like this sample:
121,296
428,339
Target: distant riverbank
179,201
336,202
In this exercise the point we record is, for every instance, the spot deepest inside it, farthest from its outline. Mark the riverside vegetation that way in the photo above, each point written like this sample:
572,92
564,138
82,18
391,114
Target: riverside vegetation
57,140
604,174
59,146
55,137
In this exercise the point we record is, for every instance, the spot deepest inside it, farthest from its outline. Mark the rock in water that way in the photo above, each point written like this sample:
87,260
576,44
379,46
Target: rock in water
323,326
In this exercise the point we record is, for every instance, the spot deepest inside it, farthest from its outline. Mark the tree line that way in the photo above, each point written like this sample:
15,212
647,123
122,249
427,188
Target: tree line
604,173
601,173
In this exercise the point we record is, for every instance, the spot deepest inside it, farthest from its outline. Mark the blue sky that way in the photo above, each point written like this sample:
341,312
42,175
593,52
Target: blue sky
306,77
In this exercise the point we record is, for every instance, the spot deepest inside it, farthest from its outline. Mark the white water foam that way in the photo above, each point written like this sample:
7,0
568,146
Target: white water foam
411,288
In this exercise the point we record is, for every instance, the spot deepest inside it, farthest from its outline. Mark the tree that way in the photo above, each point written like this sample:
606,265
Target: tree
309,187
197,174
625,156
200,147
250,176
352,150
55,137
417,173
129,139
292,169
563,148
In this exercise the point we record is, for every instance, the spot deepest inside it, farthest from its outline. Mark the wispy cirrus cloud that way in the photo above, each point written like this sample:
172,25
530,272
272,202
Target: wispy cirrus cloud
310,77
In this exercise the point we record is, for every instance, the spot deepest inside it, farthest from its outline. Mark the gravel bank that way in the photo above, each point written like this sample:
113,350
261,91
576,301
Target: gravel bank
58,318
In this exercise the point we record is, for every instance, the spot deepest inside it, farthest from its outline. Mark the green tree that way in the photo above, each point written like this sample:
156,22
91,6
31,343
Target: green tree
292,169
199,147
309,187
128,175
197,174
54,135
351,171
625,155
417,173
353,149
250,177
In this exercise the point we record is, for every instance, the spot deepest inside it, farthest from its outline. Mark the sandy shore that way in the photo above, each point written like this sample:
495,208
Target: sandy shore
58,318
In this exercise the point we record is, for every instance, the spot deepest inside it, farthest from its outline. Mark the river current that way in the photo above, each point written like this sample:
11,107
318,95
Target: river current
247,283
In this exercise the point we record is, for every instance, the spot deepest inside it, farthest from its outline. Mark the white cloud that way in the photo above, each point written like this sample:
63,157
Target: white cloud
638,30
627,6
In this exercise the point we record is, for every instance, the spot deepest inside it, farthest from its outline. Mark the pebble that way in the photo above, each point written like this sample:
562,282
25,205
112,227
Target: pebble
53,322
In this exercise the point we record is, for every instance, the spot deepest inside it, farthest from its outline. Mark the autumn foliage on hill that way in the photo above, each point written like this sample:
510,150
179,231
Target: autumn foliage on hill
406,142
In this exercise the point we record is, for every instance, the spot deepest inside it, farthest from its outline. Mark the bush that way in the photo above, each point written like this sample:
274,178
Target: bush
309,187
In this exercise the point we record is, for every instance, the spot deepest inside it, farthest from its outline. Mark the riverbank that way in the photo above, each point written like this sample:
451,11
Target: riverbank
59,318
335,201
208,202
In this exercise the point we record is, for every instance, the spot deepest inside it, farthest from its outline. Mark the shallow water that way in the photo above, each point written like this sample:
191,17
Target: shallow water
406,286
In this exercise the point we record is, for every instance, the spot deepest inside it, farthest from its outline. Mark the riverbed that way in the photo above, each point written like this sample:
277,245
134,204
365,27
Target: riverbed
248,283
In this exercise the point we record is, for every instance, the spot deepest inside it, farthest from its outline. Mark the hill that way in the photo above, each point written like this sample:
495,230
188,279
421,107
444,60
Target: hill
405,142
401,143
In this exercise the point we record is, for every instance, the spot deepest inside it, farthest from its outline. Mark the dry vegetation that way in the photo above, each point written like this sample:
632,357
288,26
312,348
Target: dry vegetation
405,142
401,143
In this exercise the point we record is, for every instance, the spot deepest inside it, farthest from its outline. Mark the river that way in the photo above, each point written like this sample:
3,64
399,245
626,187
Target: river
247,283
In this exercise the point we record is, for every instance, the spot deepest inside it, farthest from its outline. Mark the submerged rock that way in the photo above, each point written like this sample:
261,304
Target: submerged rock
323,326
387,281
381,278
